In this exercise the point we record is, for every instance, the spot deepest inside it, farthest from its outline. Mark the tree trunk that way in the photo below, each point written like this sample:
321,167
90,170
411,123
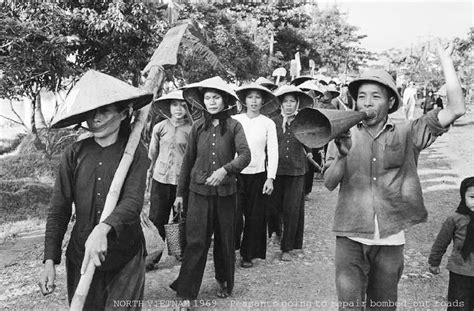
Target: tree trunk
39,113
32,116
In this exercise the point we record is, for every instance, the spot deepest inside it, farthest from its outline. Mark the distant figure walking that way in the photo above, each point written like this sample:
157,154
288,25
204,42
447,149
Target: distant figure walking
409,100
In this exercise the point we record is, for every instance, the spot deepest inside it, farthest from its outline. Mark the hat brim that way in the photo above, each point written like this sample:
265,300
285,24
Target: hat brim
356,83
163,106
194,96
299,80
136,103
270,102
305,101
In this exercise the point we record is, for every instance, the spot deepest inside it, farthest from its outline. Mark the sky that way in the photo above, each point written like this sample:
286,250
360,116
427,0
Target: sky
399,24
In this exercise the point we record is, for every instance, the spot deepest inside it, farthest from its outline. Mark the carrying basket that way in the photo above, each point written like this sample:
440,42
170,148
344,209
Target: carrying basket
175,235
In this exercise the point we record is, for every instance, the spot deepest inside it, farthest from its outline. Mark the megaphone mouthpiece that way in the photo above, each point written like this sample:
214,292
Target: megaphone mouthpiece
370,114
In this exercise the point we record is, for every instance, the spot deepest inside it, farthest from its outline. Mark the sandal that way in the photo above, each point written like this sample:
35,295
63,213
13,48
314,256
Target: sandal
285,256
246,264
222,290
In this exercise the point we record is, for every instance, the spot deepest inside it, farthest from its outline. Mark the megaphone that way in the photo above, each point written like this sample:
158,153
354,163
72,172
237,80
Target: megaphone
317,127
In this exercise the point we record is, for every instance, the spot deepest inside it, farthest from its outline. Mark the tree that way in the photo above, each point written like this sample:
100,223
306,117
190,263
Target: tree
118,38
216,45
34,53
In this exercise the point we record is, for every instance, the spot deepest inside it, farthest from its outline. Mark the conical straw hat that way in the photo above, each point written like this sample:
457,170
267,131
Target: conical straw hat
193,93
270,102
266,83
305,100
162,104
311,85
332,89
298,80
94,90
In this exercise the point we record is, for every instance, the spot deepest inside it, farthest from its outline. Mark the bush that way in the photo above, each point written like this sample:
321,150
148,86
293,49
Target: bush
51,142
34,166
20,199
8,145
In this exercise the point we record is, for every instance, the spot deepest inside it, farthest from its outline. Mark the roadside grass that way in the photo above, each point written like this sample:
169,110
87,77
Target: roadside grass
9,230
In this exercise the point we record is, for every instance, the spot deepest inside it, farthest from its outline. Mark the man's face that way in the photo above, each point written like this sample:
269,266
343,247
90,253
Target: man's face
373,96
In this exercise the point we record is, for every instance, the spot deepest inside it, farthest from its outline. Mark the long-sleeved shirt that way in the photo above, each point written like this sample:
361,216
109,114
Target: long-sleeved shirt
454,230
263,143
84,177
292,159
167,146
380,177
208,151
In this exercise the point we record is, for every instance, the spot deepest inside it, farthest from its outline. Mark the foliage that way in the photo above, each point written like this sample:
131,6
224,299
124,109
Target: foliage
215,34
20,199
32,166
35,46
119,38
323,36
8,145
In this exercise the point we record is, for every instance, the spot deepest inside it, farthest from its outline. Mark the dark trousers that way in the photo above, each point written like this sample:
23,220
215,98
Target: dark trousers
111,290
207,215
162,197
251,216
287,201
367,275
460,292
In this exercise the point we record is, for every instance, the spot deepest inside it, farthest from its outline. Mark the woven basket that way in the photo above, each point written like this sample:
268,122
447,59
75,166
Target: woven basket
175,236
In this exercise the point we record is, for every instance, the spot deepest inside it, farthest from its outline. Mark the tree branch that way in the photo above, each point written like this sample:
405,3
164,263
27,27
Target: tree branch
21,122
14,121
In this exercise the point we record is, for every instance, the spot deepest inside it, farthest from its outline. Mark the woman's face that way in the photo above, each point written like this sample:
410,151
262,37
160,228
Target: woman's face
289,104
177,109
254,101
104,121
469,197
213,101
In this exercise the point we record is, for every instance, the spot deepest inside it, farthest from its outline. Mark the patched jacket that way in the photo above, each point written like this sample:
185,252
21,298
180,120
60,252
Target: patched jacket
380,176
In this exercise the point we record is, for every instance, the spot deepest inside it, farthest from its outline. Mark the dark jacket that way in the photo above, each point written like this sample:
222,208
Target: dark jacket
291,153
453,230
85,174
207,151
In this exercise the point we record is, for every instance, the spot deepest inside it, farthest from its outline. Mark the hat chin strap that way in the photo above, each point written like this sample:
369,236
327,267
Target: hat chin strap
102,126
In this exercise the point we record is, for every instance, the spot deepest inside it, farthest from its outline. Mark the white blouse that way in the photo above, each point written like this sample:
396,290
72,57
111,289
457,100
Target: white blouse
261,134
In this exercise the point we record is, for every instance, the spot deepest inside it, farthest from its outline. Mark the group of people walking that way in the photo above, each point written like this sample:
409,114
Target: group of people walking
239,177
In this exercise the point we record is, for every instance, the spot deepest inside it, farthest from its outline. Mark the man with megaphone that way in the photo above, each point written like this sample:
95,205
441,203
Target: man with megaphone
375,166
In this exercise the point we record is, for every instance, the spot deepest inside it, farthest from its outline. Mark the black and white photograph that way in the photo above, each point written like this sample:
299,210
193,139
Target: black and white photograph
237,155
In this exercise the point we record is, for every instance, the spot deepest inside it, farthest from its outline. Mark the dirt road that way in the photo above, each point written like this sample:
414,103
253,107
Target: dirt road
307,282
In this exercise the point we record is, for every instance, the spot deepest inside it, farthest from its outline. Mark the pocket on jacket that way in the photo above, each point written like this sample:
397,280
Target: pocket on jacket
162,168
198,177
394,156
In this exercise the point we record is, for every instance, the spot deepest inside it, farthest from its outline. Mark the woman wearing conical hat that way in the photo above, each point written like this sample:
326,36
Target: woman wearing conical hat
167,146
287,199
208,174
255,182
87,167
